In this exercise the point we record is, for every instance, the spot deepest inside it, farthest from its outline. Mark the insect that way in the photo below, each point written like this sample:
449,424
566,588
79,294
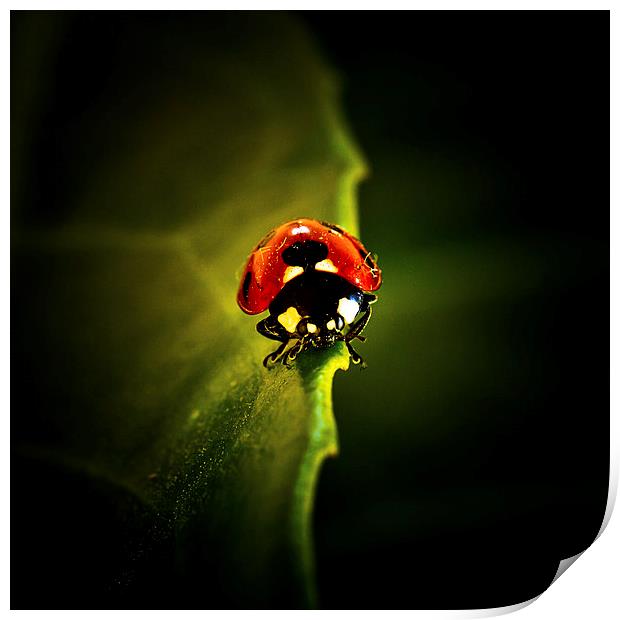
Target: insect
317,281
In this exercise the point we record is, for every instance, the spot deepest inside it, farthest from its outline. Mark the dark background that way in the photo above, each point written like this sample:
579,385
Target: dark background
474,450
487,136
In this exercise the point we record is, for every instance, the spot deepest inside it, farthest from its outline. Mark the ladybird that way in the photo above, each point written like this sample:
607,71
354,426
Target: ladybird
317,281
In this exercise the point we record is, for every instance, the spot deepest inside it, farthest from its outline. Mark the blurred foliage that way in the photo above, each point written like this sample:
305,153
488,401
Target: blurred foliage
474,451
150,154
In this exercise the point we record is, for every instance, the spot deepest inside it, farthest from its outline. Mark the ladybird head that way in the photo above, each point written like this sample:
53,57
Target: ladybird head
321,332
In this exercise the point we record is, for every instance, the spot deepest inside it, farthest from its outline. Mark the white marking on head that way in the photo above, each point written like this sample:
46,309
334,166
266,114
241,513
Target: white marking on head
290,319
331,324
311,328
326,265
348,309
292,272
298,230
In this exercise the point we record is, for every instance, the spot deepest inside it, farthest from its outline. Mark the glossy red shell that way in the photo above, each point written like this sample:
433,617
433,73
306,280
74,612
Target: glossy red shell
263,275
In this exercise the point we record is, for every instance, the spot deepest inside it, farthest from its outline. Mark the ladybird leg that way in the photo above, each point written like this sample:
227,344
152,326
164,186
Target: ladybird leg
369,298
356,358
273,357
354,333
294,352
358,327
272,329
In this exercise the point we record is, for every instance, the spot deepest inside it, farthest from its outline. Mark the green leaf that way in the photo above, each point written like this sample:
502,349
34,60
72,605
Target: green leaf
176,469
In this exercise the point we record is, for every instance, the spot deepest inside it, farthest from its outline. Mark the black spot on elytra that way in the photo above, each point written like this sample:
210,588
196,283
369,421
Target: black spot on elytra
305,254
246,284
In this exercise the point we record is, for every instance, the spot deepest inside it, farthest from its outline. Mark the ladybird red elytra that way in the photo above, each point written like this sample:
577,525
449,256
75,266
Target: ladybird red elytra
317,281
